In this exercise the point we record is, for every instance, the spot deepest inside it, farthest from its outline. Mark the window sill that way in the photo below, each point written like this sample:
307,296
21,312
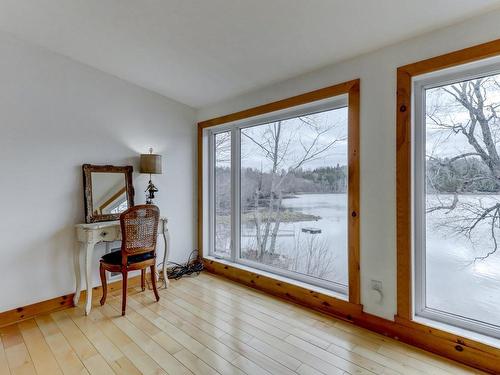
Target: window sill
297,283
488,340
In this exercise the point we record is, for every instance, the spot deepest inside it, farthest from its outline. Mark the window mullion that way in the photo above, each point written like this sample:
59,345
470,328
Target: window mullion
419,247
235,193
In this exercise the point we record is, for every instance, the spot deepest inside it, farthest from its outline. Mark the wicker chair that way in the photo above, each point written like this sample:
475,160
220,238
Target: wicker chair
139,226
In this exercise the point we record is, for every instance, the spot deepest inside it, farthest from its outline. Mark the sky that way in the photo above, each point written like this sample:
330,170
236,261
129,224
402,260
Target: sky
443,107
298,134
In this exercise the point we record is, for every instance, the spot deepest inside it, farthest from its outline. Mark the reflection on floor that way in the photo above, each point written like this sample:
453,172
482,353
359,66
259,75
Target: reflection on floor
205,325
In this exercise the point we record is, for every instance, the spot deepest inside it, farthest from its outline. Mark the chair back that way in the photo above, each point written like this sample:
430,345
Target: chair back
139,226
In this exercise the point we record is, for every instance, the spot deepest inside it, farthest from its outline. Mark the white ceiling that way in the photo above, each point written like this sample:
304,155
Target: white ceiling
203,51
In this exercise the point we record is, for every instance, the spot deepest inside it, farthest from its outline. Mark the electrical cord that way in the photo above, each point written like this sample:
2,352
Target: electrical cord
193,265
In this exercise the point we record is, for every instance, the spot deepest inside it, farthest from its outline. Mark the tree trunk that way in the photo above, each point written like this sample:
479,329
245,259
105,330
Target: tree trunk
276,227
275,160
256,216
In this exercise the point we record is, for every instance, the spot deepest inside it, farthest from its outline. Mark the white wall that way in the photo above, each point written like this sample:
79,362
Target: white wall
377,71
55,115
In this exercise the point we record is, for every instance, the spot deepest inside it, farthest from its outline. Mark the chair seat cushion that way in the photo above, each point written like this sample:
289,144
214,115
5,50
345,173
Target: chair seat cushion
115,257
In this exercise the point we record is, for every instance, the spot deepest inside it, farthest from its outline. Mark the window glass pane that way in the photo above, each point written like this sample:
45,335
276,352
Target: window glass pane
222,199
462,201
294,195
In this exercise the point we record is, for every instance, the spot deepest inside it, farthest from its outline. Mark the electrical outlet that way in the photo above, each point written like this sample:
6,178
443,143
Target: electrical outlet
377,294
377,285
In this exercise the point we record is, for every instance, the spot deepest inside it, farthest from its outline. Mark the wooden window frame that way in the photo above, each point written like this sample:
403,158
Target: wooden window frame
478,353
257,279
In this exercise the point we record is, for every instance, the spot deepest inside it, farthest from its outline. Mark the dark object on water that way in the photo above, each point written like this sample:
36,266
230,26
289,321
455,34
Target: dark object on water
311,230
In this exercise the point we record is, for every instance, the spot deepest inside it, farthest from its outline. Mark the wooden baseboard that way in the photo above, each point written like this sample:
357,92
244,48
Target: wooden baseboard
26,312
460,349
59,303
302,296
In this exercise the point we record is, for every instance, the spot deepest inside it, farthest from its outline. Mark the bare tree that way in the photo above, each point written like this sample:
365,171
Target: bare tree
222,146
312,256
286,150
466,113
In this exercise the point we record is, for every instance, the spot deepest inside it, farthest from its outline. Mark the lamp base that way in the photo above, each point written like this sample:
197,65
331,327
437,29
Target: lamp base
150,190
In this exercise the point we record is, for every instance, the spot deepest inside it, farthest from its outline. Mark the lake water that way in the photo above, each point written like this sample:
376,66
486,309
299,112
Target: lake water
454,284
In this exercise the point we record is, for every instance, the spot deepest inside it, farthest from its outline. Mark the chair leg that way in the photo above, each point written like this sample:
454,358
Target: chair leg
104,284
143,279
124,291
153,282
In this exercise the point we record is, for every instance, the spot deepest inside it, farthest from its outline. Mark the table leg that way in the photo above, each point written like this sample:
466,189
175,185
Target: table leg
166,253
88,276
78,276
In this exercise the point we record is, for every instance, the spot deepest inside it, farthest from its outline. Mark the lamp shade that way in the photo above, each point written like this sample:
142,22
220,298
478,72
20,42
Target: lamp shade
150,163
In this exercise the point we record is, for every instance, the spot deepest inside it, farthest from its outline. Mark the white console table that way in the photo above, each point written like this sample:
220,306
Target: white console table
89,235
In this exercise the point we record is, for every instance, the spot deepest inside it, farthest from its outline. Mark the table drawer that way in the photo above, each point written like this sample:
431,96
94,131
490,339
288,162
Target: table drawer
109,234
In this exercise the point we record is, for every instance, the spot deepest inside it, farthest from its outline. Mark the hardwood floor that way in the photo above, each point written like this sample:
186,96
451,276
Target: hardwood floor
206,325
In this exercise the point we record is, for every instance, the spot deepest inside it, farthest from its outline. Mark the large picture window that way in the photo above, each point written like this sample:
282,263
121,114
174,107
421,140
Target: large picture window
278,193
294,195
457,197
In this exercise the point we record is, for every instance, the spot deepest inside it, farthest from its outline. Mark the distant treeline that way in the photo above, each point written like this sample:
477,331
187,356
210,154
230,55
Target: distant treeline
324,179
318,180
466,175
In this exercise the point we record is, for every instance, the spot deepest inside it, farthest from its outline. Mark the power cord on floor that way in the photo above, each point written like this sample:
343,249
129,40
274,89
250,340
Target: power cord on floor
193,265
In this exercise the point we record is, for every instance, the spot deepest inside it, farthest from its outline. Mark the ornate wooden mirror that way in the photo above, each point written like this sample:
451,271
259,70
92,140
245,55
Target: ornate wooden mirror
108,191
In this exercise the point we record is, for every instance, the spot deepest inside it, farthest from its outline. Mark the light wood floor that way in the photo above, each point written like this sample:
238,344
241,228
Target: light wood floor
205,325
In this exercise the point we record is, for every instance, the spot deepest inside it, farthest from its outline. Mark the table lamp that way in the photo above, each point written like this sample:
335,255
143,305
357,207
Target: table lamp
150,163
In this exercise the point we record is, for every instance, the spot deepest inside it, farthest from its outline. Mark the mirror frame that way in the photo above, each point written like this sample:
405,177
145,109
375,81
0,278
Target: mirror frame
87,189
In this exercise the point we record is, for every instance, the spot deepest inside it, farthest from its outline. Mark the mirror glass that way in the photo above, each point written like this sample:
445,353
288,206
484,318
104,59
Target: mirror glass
109,193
